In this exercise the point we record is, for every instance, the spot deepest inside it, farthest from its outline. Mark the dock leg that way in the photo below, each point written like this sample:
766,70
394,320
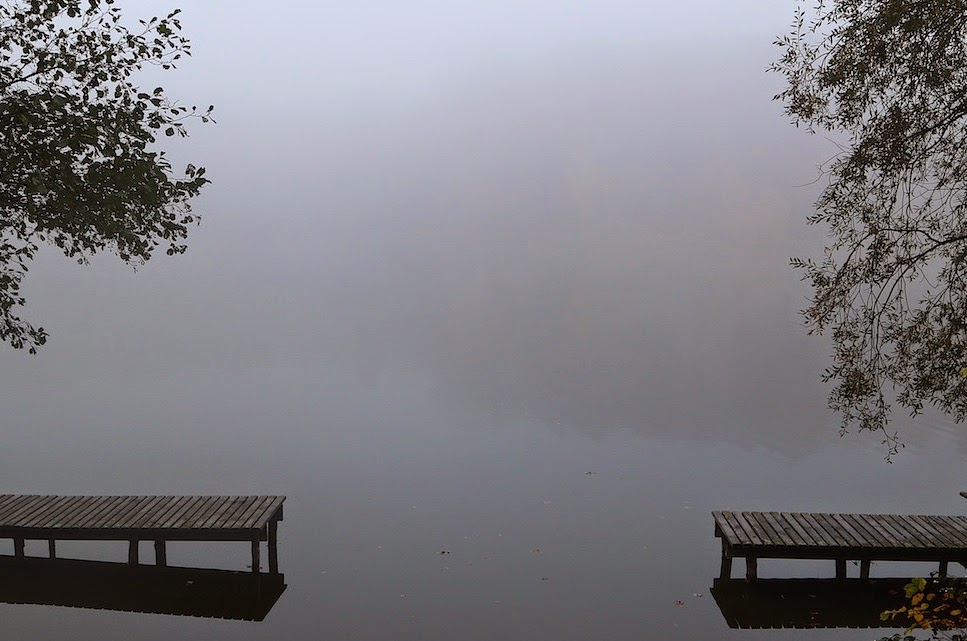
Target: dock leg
18,548
726,572
840,568
750,568
52,548
255,556
132,552
273,542
160,558
865,569
943,569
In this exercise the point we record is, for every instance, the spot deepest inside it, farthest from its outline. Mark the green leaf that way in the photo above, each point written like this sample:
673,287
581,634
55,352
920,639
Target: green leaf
914,587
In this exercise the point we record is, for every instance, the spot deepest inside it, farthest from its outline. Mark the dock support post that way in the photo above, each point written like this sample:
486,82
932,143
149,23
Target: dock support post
255,555
750,568
18,548
273,539
132,552
840,568
52,548
943,569
160,558
865,569
726,572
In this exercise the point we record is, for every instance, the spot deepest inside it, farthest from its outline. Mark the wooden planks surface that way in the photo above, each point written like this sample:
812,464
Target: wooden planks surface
154,513
870,532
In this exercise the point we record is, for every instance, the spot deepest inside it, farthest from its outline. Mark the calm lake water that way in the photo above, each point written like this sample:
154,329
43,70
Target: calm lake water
538,317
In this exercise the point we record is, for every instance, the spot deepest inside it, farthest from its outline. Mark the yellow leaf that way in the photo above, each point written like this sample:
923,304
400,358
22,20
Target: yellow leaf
954,613
917,598
930,597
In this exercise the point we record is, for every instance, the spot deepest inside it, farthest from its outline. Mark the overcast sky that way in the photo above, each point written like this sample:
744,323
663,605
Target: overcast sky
575,211
336,52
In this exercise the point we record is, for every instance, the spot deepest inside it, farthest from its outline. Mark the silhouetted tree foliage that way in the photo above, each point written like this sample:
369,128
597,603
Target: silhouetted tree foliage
78,168
889,79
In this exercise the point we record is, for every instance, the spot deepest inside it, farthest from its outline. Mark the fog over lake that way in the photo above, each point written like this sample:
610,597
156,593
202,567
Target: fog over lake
529,304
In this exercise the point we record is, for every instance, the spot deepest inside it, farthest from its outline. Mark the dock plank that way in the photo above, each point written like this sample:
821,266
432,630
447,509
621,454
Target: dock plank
758,520
957,527
829,527
870,536
31,505
201,515
230,517
908,535
42,510
784,537
886,538
938,536
743,537
98,505
134,516
24,507
161,515
795,529
759,536
73,510
887,524
852,535
115,509
816,529
8,503
242,521
269,512
201,504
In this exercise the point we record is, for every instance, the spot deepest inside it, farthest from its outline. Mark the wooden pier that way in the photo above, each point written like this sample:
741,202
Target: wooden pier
143,518
840,538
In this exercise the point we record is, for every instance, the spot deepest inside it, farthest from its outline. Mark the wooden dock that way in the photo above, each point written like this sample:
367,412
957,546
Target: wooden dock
143,518
840,538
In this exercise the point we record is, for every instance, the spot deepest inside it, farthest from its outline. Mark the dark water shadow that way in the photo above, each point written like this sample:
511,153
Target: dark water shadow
220,594
809,603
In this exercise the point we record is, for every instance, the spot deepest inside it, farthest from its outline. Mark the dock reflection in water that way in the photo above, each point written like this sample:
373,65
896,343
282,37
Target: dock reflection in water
221,594
809,603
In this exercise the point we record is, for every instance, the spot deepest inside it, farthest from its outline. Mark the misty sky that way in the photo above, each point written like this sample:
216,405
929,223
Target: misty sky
579,212
575,213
